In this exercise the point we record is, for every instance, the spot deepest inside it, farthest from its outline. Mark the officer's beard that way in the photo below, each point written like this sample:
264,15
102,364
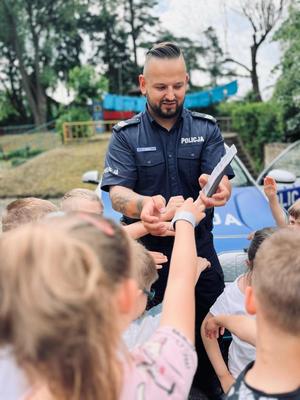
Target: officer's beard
160,113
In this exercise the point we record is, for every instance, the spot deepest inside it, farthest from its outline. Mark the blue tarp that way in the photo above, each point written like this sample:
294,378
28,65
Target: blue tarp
193,100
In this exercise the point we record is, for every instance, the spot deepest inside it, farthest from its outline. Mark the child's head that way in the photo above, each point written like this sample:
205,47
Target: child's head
276,282
258,237
82,200
294,214
59,307
22,211
145,273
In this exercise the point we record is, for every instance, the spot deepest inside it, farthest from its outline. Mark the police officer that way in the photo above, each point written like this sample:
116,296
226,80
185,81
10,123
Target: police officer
163,151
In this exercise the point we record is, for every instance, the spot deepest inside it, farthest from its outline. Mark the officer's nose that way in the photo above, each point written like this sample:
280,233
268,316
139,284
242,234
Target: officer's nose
170,96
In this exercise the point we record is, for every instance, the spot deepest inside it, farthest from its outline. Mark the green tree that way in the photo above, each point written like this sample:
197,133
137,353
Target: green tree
287,89
140,19
86,84
41,38
108,34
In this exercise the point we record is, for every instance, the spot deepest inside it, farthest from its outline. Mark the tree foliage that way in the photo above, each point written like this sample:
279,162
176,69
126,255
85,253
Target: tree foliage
287,90
41,42
86,84
257,124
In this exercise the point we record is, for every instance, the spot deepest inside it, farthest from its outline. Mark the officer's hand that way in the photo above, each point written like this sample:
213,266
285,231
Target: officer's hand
221,196
171,208
151,215
153,208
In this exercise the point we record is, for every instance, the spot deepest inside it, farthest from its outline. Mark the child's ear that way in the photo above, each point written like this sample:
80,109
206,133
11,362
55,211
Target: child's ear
126,295
250,301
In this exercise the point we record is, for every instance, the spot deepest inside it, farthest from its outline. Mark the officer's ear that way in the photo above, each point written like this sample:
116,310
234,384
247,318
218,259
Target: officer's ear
142,84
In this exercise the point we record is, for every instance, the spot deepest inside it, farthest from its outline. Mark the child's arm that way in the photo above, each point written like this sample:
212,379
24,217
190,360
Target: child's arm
179,300
137,230
270,189
214,354
240,325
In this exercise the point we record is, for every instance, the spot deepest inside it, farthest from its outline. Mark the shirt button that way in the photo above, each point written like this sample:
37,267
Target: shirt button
173,178
170,155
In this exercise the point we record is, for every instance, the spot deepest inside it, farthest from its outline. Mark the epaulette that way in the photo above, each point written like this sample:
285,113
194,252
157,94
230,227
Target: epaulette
132,121
196,114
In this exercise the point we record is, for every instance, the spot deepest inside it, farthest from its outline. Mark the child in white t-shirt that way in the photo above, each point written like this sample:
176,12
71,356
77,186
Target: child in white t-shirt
142,326
144,323
232,301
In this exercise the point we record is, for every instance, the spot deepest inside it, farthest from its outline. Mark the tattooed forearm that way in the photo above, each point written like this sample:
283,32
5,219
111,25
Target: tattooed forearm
126,201
120,203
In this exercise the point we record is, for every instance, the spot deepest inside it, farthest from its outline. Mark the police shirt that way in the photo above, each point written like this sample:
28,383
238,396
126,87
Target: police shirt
149,159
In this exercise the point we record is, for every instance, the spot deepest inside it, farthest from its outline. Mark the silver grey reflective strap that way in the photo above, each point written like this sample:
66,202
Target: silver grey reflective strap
183,215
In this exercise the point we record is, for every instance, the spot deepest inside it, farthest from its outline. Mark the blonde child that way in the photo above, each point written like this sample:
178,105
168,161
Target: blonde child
63,315
80,199
88,201
142,325
22,211
270,189
231,301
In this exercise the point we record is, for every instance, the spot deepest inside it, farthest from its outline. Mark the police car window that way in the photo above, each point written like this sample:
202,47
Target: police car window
240,178
290,161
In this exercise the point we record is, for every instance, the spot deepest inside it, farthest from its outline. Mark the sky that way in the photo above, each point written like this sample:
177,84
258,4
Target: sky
191,17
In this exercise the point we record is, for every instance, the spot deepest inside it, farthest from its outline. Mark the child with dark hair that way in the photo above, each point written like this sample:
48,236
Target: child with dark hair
231,301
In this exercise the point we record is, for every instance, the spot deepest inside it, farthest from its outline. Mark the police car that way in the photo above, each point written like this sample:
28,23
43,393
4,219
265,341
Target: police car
246,211
285,169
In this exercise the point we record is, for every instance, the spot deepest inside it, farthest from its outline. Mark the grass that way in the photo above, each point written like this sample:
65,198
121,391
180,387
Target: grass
41,140
54,172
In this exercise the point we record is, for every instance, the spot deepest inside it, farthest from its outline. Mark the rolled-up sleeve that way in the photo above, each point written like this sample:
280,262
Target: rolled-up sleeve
213,152
120,166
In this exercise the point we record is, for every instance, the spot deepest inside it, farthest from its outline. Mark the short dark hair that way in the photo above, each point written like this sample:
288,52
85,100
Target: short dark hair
259,236
164,50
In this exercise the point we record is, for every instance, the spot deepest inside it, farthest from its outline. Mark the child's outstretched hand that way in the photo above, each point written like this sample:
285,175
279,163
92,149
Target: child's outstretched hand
159,258
202,264
212,328
270,187
196,208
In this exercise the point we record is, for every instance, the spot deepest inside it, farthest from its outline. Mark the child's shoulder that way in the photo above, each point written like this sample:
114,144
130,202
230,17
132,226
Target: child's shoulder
240,390
231,301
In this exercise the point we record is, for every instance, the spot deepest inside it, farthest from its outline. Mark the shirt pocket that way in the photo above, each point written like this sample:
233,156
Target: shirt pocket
189,162
151,168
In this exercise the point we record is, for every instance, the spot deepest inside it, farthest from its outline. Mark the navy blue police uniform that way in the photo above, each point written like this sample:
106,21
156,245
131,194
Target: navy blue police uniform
150,160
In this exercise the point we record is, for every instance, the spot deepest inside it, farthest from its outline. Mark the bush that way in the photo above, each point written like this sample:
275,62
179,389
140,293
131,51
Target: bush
73,114
256,124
